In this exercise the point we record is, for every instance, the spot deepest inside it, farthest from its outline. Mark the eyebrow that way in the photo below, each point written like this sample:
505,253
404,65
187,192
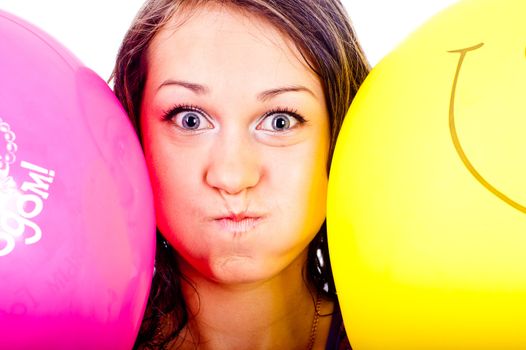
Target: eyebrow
196,88
268,94
262,96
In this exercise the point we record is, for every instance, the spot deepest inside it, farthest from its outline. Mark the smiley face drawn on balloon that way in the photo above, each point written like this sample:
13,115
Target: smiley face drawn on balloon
456,139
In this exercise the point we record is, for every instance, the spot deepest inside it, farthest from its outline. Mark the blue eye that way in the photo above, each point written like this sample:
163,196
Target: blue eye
280,121
188,118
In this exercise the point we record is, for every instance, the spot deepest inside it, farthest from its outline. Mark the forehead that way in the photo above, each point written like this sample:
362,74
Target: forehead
220,40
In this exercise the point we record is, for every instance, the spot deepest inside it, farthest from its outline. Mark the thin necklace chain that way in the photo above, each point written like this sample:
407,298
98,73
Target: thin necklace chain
314,328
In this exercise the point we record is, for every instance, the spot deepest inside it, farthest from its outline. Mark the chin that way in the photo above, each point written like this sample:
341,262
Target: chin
239,270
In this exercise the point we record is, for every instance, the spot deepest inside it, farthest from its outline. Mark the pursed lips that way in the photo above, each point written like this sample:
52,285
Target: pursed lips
240,222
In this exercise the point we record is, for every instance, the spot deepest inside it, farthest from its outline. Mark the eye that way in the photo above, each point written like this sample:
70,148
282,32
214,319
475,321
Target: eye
280,121
188,118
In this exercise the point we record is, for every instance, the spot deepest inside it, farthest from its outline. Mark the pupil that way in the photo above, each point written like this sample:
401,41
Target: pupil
191,121
281,123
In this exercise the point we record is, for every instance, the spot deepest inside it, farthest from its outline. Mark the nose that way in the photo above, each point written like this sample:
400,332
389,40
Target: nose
234,164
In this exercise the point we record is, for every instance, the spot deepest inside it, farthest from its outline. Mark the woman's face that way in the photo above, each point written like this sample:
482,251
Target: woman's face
236,137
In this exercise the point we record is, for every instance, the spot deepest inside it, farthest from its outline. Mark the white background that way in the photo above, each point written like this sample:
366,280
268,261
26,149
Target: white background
93,29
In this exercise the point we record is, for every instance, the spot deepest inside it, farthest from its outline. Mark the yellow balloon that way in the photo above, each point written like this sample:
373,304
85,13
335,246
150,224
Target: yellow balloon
427,191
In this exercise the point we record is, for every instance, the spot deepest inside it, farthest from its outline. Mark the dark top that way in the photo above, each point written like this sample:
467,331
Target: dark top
337,335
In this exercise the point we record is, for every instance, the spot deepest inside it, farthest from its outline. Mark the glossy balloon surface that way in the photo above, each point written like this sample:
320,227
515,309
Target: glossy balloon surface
77,231
427,198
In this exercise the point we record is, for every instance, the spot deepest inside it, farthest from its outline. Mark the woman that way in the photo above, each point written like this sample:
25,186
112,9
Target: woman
238,104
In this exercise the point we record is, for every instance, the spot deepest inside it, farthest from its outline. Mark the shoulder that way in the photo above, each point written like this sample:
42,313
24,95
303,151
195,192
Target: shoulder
337,339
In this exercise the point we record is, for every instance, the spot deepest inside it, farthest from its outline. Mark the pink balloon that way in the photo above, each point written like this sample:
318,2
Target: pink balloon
77,231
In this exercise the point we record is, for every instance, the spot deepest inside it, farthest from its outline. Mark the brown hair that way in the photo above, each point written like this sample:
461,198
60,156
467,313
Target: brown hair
325,37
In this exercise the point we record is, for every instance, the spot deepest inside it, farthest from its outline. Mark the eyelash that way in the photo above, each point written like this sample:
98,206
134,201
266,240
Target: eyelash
169,114
285,110
172,112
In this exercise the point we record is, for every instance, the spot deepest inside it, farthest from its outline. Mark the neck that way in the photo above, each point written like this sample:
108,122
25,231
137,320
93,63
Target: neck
276,313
